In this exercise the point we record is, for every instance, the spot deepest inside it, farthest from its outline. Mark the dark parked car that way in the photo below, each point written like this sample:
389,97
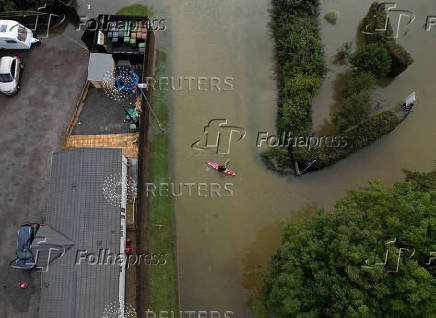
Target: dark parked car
25,259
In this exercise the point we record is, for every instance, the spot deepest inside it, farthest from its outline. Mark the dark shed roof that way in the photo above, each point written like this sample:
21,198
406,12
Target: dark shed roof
77,209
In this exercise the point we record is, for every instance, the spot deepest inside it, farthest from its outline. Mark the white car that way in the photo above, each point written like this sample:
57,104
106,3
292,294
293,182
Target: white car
15,36
10,69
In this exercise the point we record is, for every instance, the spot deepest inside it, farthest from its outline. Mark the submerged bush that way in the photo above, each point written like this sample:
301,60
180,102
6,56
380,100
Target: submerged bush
332,16
355,109
344,51
372,58
359,82
277,159
401,59
376,20
357,138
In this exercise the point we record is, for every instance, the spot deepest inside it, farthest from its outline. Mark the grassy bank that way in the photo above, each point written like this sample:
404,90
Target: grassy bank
163,279
137,10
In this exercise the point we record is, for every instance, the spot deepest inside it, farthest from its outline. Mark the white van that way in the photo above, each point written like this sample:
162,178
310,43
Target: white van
14,36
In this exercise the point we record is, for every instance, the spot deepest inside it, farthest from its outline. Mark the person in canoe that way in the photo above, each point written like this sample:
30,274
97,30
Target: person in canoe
221,168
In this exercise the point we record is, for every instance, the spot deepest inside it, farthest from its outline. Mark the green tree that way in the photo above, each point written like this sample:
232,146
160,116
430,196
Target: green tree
356,108
373,58
359,82
326,266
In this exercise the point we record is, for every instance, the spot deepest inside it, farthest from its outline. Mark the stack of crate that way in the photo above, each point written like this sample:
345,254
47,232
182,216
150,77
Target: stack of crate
136,34
132,33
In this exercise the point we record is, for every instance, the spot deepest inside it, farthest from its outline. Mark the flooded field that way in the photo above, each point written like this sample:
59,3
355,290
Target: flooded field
220,238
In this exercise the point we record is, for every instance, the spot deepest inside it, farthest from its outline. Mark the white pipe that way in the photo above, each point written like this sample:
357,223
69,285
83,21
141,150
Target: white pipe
122,283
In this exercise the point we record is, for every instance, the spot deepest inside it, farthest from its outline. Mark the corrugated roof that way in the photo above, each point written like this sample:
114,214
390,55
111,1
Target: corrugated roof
77,209
99,66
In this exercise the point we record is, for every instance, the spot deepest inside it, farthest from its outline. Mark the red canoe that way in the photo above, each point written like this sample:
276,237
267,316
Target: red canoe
215,166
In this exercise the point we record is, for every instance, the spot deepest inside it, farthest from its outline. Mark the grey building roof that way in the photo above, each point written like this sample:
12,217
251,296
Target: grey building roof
99,65
79,211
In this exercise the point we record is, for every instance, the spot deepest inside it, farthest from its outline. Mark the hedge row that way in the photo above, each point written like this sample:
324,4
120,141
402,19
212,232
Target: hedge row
357,138
300,62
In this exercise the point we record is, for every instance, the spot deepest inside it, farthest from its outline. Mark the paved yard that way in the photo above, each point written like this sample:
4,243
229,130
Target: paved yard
32,124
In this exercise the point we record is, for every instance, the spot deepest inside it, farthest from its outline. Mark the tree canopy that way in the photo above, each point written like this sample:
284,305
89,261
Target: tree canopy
333,265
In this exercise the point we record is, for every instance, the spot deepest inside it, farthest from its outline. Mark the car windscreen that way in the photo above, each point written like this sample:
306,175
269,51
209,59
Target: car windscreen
22,34
6,78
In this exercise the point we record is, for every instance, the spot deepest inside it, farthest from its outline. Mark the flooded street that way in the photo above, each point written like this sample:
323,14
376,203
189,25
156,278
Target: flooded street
220,239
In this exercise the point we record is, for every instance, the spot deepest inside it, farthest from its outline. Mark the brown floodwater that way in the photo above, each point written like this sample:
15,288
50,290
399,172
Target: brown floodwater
220,239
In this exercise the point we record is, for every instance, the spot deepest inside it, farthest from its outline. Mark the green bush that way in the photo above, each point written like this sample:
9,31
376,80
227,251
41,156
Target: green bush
376,19
373,58
422,181
332,16
277,159
401,59
355,109
344,51
359,82
357,138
